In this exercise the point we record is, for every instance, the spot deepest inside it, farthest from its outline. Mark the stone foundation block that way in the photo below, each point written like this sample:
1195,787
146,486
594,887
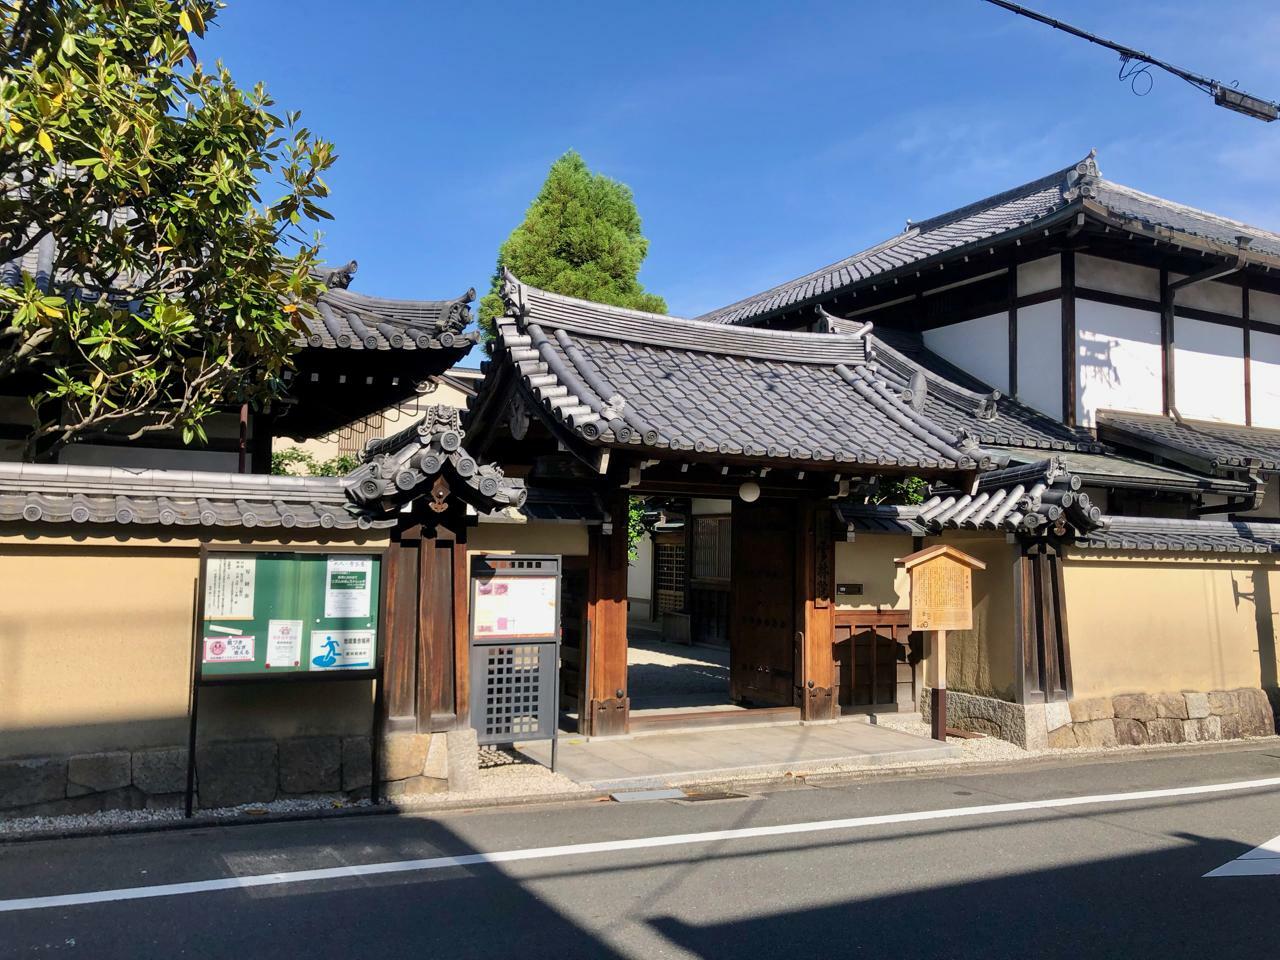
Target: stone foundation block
311,765
1129,732
403,755
124,798
1063,737
1202,729
96,772
1135,706
1094,708
413,787
163,770
36,780
1057,714
1165,730
1172,706
1197,704
233,772
1223,703
1095,733
357,763
1015,722
1256,719
464,759
437,763
1230,726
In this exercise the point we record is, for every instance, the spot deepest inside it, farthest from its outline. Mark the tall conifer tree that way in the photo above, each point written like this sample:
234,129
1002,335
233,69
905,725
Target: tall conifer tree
580,237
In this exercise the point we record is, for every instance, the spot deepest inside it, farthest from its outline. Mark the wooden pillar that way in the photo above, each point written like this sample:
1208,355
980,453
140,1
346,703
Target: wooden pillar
815,611
608,706
442,616
400,658
1041,643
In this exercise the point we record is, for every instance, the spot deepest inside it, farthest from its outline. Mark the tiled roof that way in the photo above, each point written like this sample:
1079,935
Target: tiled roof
959,401
414,462
973,224
625,378
1196,536
347,320
1196,444
1116,470
114,495
1030,206
552,505
1035,498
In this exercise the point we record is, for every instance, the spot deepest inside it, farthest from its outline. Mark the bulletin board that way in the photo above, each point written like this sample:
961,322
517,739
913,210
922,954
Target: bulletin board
273,613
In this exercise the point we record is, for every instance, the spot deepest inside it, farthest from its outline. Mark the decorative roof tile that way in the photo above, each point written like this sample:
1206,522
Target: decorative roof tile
1193,536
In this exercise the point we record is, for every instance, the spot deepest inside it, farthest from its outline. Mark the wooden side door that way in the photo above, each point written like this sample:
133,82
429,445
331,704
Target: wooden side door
762,603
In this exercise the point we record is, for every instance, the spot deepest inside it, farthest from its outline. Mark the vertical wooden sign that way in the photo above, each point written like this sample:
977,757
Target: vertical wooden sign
941,600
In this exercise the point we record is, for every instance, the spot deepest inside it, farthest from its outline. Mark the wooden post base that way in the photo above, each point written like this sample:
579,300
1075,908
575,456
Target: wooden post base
938,711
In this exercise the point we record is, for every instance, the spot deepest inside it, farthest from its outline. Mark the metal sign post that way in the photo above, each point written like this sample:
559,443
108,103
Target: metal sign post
515,649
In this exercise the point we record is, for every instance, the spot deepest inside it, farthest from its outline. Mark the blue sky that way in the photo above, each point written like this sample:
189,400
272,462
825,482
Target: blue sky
762,140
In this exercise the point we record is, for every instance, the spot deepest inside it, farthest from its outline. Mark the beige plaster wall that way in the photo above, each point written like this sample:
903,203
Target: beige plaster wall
982,660
868,560
95,635
1184,622
567,539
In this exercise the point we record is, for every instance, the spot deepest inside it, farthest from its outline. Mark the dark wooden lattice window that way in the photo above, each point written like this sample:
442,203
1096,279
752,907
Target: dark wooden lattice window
670,576
711,548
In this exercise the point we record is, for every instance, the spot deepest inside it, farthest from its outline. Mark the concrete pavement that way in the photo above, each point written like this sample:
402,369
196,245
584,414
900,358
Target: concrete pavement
1115,877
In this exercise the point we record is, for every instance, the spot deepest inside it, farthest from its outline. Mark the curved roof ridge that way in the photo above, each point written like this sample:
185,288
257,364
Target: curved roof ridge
1004,196
1189,209
589,318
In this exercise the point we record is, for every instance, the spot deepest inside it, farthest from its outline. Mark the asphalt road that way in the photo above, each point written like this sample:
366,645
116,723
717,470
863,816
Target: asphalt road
1115,877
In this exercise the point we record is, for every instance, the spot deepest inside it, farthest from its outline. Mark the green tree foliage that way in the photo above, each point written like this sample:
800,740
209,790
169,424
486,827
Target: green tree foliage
580,237
295,462
176,288
904,492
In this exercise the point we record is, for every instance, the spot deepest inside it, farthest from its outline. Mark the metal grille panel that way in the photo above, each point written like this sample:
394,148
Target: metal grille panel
516,700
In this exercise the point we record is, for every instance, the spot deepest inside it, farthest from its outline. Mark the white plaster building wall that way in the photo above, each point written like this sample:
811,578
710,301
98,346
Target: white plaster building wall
1040,357
1208,370
980,347
1264,307
640,580
1038,276
1210,295
1113,276
1264,378
1117,360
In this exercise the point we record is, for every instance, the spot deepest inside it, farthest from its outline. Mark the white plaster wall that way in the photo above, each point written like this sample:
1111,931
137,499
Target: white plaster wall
1039,276
1264,307
703,506
979,346
1210,295
1099,273
1264,377
1040,357
1117,360
1208,370
640,571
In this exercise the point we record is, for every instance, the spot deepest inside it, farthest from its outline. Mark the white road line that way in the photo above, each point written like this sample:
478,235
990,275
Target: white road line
1263,861
613,846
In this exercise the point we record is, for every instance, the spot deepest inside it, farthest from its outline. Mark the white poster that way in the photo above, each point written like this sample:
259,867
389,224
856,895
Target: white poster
223,649
284,643
228,588
348,587
515,607
341,650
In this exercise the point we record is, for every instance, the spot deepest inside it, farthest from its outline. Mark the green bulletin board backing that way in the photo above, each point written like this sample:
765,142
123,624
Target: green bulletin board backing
275,613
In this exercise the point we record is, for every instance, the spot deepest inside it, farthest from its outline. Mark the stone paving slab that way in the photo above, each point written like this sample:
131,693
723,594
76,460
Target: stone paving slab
661,760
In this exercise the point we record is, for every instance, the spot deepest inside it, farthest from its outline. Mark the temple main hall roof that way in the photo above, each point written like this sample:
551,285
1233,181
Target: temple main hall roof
1195,444
1021,210
624,378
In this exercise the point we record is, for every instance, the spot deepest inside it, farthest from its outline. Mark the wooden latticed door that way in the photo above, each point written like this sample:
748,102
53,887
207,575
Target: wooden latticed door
762,625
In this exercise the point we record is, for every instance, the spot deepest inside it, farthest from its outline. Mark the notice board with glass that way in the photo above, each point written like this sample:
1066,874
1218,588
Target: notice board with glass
273,613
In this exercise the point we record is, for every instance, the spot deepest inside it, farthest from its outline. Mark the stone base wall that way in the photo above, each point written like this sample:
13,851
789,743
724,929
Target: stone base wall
231,772
1125,719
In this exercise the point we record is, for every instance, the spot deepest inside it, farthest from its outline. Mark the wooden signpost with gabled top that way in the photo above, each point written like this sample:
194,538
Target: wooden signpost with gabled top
941,600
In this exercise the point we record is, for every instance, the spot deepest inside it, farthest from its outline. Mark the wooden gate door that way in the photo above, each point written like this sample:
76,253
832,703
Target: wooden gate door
762,604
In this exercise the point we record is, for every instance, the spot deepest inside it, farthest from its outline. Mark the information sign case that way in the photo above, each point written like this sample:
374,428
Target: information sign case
305,613
515,648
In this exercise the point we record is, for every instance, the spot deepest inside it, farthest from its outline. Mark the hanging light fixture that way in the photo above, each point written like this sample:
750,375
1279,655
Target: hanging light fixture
749,492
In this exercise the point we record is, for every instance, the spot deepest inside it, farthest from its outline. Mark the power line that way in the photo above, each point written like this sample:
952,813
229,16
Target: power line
1135,64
